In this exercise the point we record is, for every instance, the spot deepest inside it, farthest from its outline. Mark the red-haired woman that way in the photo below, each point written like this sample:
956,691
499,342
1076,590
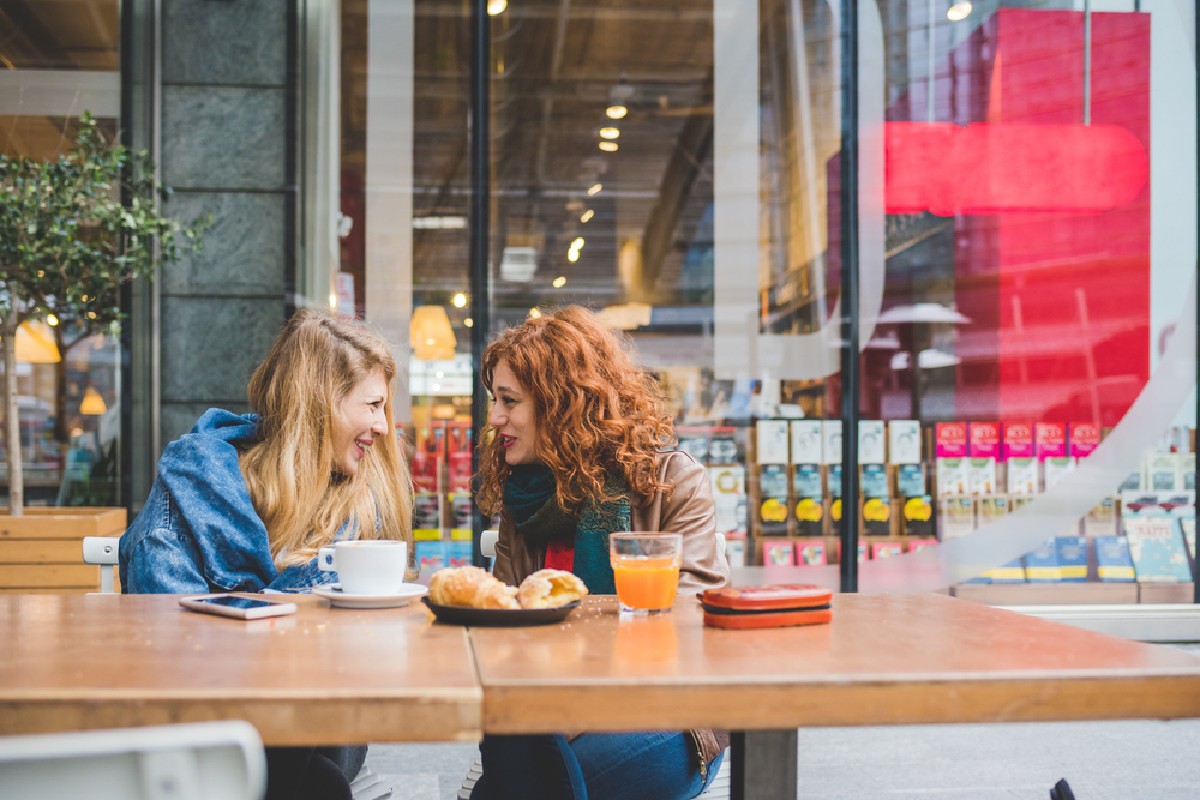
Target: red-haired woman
576,452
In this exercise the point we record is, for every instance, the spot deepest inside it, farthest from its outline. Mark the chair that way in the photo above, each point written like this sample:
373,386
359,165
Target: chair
717,790
187,761
102,550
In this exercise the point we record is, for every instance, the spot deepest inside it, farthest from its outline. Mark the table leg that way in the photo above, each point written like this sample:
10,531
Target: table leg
764,765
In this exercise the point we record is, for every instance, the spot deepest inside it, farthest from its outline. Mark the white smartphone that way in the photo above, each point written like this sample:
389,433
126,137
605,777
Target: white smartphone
237,606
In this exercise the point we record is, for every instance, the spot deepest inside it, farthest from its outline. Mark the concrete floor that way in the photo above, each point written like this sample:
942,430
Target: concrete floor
1146,760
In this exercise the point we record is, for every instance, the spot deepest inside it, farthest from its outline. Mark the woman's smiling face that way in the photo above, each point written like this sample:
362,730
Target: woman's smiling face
358,419
512,417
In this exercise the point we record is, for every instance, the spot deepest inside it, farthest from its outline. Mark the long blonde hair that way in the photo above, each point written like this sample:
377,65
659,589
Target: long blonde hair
314,362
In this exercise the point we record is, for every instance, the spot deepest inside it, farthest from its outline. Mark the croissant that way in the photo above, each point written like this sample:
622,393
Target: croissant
550,588
457,586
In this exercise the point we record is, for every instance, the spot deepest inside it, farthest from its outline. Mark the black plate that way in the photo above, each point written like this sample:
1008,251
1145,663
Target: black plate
462,615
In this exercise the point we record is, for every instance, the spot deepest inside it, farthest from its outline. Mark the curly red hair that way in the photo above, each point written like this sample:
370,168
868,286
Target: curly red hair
597,411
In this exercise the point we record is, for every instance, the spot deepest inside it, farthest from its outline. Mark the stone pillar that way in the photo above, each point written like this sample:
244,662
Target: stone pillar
228,144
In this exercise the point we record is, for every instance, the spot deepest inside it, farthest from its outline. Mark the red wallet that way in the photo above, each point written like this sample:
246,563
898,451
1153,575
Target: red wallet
767,606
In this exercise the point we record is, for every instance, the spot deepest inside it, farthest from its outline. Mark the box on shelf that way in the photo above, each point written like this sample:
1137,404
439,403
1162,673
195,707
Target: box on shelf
458,552
810,499
1019,458
810,553
1186,479
431,556
1157,549
771,440
1011,572
461,511
916,515
1051,447
806,441
870,441
904,441
917,545
427,516
1163,472
729,497
876,500
991,508
956,516
773,499
1101,520
831,441
1062,559
778,554
1083,439
693,441
886,549
1113,562
953,469
983,454
735,548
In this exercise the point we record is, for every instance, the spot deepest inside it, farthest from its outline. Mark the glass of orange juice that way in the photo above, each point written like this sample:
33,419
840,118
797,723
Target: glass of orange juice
646,570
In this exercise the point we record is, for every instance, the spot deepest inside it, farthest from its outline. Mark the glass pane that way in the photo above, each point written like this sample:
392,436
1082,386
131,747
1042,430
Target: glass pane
60,58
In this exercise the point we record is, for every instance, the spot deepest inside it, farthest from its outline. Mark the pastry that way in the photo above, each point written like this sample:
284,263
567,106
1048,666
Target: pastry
457,586
494,594
550,588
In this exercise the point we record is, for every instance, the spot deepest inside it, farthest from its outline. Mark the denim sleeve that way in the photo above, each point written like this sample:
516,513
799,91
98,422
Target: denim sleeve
158,554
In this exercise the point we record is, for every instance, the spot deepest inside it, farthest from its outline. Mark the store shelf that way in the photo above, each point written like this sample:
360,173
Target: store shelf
1046,594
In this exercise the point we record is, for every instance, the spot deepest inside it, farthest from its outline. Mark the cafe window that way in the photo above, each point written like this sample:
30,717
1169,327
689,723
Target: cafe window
60,59
1025,223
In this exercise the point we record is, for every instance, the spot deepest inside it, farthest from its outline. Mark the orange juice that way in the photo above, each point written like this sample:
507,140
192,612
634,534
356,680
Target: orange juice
648,583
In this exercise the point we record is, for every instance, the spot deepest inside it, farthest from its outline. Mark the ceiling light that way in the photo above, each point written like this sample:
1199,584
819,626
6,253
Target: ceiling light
469,323
559,282
52,320
609,132
439,222
959,10
616,112
572,255
578,242
459,300
608,147
587,216
594,189
495,7
535,312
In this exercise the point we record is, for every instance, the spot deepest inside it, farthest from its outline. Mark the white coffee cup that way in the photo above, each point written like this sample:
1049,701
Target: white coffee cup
368,566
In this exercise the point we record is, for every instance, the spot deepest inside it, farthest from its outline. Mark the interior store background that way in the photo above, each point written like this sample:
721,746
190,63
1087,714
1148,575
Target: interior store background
1010,187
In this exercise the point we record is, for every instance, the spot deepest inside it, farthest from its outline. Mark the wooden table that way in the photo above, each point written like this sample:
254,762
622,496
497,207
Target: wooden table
885,659
320,676
326,676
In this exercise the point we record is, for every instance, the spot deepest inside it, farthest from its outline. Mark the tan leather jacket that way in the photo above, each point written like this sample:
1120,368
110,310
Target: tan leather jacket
688,509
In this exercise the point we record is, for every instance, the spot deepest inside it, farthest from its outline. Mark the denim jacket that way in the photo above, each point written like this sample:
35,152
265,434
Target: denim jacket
198,531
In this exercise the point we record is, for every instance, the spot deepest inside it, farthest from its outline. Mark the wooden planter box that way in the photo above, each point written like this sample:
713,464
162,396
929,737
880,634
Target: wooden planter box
42,551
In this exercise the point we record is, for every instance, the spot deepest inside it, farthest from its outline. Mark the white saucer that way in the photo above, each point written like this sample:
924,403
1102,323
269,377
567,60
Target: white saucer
334,594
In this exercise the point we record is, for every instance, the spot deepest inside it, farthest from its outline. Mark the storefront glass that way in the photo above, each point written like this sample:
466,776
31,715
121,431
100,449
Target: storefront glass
1025,189
60,59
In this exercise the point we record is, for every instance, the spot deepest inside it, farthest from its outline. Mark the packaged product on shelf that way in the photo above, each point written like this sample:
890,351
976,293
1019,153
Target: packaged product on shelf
956,516
1157,549
1062,559
917,545
729,497
458,552
876,500
983,452
910,480
1019,458
1011,572
870,441
694,442
886,549
810,554
1050,441
953,476
723,446
427,516
425,469
1101,520
773,499
904,441
1163,472
917,515
1186,479
810,499
778,554
834,482
1084,438
1113,562
831,441
806,441
431,556
461,512
771,441
992,508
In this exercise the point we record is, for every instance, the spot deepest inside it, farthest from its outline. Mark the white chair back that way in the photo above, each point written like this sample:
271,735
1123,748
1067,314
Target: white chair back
102,550
189,761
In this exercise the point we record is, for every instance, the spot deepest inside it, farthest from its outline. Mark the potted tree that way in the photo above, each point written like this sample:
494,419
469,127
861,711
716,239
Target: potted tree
72,231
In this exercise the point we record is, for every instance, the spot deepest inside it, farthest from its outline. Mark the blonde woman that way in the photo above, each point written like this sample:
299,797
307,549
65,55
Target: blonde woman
243,502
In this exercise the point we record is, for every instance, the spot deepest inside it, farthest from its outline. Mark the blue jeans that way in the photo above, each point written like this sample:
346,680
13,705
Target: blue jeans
593,766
